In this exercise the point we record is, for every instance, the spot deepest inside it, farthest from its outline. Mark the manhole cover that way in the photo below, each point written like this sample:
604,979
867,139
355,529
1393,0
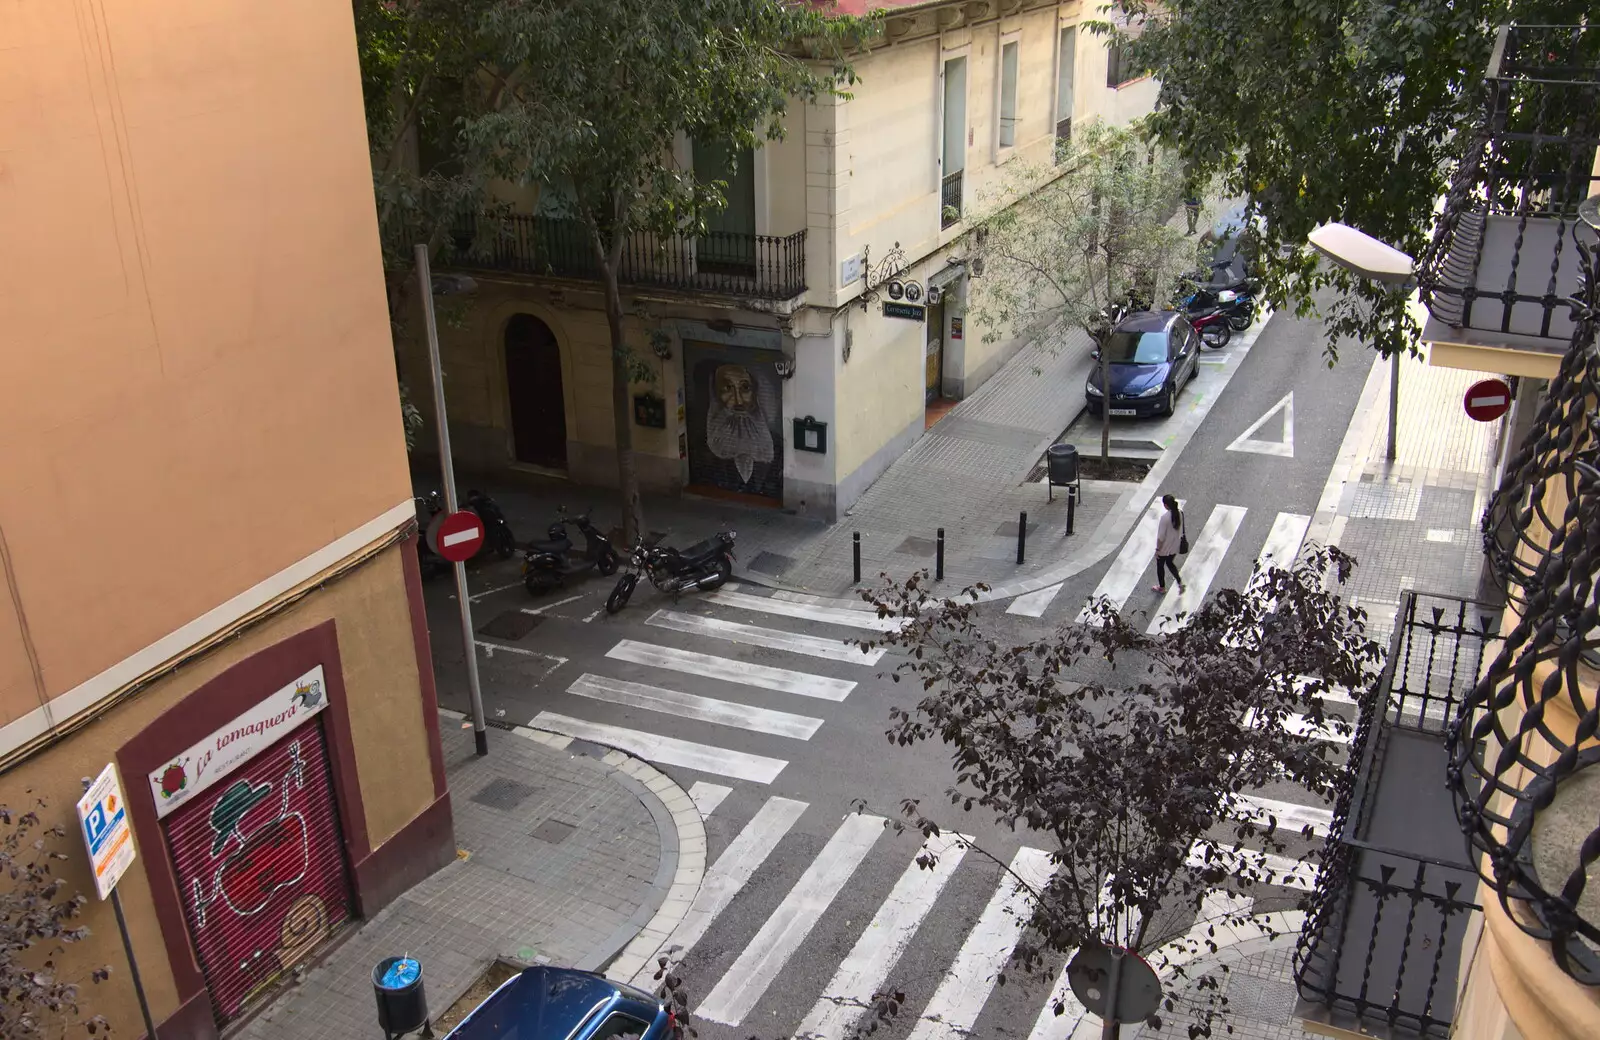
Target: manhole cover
771,563
503,793
513,624
915,546
553,831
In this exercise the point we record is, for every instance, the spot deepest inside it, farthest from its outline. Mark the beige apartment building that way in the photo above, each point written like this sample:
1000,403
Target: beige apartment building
205,514
1485,719
827,303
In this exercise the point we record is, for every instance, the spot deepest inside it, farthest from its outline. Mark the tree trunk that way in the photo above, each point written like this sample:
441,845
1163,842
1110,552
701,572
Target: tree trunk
622,415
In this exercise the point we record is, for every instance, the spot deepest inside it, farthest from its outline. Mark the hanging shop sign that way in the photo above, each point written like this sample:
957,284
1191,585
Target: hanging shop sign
909,311
206,762
913,292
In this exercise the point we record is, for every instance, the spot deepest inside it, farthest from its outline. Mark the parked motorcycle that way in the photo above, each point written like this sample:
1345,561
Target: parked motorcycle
430,563
1213,327
548,564
497,534
1234,296
704,565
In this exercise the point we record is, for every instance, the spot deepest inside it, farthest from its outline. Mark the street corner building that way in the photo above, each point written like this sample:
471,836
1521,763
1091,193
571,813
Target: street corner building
206,526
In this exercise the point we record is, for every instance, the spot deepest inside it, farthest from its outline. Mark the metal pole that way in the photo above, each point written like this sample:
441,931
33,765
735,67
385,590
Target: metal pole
1394,402
1110,1027
855,550
469,643
133,965
1022,535
938,558
1072,503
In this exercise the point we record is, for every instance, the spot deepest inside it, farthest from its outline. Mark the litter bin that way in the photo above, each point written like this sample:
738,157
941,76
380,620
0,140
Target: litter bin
1062,460
402,1004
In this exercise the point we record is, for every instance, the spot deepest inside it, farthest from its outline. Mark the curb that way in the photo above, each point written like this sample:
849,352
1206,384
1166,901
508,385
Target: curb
630,948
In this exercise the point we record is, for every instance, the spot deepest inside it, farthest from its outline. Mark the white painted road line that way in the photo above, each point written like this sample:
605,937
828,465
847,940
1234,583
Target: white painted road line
551,606
654,747
707,797
1287,872
771,638
1301,726
706,666
864,971
730,873
737,992
693,706
807,611
1138,555
1033,604
971,976
1292,817
815,601
1284,448
1199,568
1282,546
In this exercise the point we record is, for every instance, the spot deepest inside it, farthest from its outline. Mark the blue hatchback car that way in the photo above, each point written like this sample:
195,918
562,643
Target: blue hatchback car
544,1003
1151,355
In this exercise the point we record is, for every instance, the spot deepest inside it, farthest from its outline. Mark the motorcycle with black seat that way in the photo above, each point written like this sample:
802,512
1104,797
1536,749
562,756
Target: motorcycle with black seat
548,564
704,565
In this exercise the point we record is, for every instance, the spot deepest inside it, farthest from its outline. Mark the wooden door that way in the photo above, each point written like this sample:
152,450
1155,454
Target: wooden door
533,380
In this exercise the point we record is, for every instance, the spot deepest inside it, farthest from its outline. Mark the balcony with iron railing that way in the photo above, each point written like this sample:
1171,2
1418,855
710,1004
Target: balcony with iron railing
1503,259
750,267
1385,926
950,199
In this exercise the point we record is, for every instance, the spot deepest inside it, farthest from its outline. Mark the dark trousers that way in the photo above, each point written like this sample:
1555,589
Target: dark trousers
1169,563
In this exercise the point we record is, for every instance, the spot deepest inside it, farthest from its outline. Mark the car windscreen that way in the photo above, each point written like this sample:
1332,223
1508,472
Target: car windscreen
1136,348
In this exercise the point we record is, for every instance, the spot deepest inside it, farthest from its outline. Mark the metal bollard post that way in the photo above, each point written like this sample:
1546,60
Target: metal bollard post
1072,502
938,558
1022,536
856,550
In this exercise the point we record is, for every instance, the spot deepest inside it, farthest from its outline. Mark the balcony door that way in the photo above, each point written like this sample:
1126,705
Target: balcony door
729,244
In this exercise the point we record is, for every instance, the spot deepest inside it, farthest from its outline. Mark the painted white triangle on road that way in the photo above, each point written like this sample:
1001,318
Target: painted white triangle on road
1284,449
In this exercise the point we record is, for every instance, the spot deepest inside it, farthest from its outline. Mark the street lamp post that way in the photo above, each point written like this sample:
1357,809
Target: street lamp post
1371,258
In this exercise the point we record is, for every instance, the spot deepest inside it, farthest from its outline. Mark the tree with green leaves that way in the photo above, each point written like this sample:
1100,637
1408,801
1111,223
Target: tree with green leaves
1089,245
1325,110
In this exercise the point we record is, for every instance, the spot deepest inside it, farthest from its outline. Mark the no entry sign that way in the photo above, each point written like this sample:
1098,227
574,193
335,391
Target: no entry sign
1487,400
456,537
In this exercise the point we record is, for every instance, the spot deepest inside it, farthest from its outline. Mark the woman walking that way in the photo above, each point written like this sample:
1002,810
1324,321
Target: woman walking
1169,543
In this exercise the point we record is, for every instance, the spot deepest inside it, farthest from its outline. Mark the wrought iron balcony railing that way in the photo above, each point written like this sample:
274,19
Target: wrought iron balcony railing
950,199
1523,750
1502,261
1384,927
757,267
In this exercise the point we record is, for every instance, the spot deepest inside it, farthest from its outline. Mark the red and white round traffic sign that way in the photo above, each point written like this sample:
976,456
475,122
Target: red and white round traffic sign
1487,400
456,536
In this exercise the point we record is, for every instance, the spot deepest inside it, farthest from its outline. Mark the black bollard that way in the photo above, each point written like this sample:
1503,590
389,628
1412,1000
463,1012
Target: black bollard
938,558
1072,502
856,549
1022,536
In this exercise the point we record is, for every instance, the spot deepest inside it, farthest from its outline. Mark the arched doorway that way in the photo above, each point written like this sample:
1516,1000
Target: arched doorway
533,380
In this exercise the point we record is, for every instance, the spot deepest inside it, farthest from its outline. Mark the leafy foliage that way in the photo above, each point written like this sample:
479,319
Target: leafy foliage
36,916
1347,110
1088,245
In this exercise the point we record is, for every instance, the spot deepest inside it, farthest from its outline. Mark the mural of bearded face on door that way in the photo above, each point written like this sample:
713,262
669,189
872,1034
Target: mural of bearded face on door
736,440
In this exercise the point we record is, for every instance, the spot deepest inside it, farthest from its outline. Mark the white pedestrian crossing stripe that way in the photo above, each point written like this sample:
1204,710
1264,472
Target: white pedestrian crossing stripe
864,971
1270,867
1137,556
815,601
693,706
708,796
960,997
807,611
1280,550
1292,817
1034,604
770,638
707,666
1284,448
653,747
737,992
1301,726
1199,568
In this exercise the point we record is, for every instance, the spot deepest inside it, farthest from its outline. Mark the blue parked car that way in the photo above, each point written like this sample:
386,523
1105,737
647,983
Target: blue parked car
1151,355
544,1003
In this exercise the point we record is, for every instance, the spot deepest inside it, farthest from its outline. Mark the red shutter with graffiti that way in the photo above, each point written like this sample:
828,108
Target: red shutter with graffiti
261,868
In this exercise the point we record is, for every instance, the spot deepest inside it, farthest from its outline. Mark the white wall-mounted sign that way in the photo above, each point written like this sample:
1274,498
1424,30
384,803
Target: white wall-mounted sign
103,819
213,758
850,270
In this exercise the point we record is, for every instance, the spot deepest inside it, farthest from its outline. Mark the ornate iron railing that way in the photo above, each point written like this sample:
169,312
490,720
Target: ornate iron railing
1386,921
753,266
1521,752
1501,259
950,199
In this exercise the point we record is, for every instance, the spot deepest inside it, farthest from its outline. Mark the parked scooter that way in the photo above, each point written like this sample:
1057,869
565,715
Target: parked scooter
547,565
704,565
1213,328
497,535
1234,296
430,563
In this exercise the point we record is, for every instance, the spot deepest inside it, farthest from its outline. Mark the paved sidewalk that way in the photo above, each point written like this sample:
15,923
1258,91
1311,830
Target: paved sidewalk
570,853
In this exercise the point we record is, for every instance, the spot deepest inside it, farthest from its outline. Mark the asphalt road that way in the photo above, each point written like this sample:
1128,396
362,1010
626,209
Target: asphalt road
779,738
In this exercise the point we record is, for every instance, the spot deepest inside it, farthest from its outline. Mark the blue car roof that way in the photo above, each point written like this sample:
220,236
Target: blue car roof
1146,321
540,1003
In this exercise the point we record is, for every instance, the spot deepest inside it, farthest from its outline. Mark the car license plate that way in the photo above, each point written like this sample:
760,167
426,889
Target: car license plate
1124,411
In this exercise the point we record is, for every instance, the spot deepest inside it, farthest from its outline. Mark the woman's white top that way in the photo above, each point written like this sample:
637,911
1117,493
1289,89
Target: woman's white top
1168,534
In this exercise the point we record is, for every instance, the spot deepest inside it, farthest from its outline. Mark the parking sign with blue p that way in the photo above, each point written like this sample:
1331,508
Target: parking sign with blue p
105,830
